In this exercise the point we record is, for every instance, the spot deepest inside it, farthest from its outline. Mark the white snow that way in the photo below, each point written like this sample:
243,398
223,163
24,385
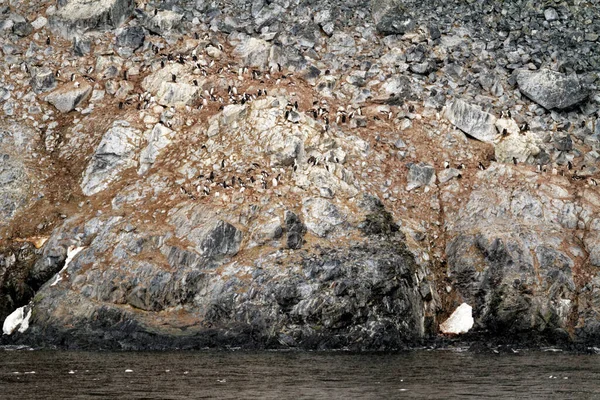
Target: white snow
71,253
18,319
461,320
128,370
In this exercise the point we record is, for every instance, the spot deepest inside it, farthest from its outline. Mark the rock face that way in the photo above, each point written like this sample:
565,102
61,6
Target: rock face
113,155
341,174
84,15
366,297
472,120
518,280
551,89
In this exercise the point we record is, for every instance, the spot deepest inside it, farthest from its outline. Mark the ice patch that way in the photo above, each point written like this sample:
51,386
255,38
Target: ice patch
71,253
18,319
461,320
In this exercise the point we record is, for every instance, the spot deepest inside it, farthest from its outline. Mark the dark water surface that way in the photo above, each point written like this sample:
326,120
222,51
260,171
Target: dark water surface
294,375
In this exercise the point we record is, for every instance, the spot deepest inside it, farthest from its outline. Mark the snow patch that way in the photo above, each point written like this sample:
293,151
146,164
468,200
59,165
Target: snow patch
461,320
18,319
72,251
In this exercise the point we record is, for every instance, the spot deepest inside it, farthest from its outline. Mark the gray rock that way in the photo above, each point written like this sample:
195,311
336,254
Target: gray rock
472,120
22,28
169,93
42,80
550,14
132,37
448,174
550,89
391,17
253,51
321,216
77,16
158,139
69,96
420,175
81,45
114,155
209,235
163,22
268,231
14,184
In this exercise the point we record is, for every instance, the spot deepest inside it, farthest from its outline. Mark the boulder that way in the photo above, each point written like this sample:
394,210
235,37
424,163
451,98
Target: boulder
42,80
76,16
551,89
391,18
132,37
472,120
114,155
69,96
21,27
168,93
512,255
420,175
253,51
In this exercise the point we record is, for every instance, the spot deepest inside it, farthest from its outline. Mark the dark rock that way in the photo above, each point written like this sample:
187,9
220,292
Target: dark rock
81,46
15,264
364,297
564,143
22,28
391,18
132,37
42,80
295,230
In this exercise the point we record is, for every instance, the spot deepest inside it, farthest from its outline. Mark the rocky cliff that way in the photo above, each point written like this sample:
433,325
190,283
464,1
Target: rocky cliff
298,174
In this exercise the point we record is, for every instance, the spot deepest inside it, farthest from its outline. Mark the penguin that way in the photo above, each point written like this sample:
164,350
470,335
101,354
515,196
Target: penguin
47,40
514,160
173,78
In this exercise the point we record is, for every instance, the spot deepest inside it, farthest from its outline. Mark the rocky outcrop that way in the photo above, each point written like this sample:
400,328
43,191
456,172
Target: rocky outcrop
363,297
361,175
516,256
